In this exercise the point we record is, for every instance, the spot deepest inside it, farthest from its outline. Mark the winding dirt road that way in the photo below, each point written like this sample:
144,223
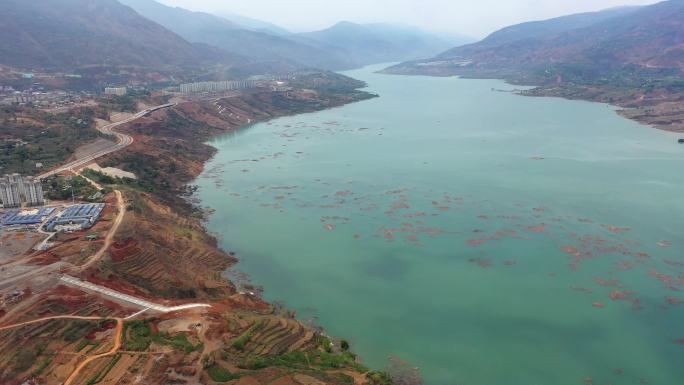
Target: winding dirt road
50,319
115,348
110,234
123,141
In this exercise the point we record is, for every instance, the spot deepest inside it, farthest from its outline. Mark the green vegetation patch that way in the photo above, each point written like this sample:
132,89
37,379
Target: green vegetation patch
92,347
379,378
344,378
124,103
138,336
77,330
97,377
31,136
99,177
24,360
62,188
220,374
240,342
41,366
105,179
312,359
179,341
84,342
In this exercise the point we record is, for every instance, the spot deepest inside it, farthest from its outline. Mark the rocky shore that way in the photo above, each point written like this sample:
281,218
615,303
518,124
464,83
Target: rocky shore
169,152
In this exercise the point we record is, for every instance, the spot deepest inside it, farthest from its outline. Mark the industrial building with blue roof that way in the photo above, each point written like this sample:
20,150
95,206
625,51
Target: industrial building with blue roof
83,215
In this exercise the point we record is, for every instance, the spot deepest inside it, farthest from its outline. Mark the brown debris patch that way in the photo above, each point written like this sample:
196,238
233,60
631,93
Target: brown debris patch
477,242
607,283
581,289
617,230
482,262
572,250
537,229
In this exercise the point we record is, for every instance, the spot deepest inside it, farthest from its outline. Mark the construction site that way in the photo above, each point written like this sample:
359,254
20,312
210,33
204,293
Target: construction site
27,224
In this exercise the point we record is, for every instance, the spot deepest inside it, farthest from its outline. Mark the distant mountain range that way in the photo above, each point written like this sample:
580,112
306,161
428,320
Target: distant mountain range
621,44
68,35
377,43
631,57
79,33
343,46
254,24
255,44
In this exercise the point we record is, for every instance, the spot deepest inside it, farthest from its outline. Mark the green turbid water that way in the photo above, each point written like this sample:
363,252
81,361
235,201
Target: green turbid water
484,237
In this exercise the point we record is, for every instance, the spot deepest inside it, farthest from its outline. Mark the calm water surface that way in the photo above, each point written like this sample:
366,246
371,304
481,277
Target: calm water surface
487,238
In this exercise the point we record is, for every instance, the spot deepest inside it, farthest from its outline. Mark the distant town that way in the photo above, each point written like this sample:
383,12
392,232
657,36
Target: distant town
38,95
25,204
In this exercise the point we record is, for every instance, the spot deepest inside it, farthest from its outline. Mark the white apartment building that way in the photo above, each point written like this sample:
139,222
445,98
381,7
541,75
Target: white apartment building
118,91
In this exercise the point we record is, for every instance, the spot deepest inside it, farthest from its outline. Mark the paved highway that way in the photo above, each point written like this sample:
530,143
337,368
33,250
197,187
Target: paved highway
123,141
128,298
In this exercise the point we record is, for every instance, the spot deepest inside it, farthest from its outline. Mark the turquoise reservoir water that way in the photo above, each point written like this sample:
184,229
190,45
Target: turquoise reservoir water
487,238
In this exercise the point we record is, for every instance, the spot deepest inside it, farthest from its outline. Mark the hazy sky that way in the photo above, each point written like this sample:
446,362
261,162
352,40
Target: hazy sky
473,17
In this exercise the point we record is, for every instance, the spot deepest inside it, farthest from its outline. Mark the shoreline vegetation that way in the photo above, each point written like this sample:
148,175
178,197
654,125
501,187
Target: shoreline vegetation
163,252
170,152
171,149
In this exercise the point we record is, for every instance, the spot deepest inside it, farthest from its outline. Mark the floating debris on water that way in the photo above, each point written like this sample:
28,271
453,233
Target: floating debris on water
482,262
664,243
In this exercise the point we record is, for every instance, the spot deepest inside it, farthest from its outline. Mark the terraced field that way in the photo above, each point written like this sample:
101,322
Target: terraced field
164,254
51,349
274,336
143,265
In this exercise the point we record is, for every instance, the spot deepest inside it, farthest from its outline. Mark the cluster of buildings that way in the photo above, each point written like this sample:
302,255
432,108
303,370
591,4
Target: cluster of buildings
15,190
117,91
75,218
19,217
9,96
227,85
71,218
